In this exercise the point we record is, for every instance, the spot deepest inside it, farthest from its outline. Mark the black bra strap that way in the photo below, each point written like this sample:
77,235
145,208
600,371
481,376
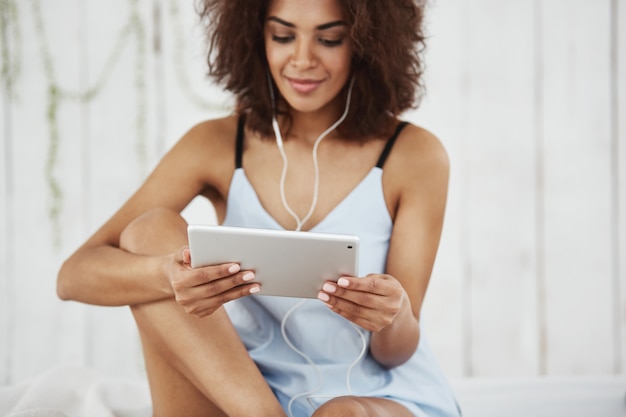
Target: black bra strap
239,144
389,144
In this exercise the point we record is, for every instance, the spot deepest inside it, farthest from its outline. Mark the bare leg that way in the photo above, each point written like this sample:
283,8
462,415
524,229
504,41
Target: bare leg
362,407
196,367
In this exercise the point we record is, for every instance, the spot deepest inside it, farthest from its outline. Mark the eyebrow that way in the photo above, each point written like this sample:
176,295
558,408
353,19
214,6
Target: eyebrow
319,27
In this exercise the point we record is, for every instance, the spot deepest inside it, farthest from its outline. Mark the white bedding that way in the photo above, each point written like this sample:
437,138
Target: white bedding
75,392
80,392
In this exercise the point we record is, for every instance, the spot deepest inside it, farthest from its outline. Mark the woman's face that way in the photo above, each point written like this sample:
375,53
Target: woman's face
308,49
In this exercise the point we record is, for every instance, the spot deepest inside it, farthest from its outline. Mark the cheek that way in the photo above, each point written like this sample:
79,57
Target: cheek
338,60
275,59
340,64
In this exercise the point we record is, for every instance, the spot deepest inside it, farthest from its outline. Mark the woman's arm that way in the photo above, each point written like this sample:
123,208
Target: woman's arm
415,181
100,272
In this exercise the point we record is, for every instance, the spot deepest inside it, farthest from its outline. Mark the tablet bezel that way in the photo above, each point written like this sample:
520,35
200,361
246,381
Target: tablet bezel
286,263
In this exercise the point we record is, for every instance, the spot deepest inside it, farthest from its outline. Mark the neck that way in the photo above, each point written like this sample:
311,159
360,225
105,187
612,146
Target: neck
308,126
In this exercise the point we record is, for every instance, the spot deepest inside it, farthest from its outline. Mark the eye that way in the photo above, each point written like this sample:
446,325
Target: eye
331,42
282,39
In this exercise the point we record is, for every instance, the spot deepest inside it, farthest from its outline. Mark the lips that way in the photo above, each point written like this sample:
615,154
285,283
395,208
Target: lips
304,86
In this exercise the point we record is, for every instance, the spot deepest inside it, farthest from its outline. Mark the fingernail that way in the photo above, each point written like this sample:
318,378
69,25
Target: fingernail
248,276
343,282
234,268
323,296
329,288
254,290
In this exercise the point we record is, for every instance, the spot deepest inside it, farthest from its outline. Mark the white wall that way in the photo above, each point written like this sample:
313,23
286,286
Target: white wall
527,96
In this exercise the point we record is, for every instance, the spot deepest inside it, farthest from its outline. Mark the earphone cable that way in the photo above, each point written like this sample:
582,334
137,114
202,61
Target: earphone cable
279,142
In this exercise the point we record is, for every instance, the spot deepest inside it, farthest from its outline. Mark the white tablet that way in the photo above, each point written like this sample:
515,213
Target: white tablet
286,263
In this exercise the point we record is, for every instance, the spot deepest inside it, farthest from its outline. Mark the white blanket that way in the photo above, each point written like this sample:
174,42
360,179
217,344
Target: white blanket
75,392
80,392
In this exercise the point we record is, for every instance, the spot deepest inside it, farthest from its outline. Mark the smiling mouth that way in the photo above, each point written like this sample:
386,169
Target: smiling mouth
303,85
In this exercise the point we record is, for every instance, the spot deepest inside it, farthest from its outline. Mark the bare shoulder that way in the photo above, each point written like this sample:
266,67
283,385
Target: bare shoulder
200,162
416,171
418,155
215,134
208,148
419,151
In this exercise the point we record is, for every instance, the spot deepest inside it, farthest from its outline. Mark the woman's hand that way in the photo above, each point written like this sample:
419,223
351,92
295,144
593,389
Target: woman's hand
372,302
201,291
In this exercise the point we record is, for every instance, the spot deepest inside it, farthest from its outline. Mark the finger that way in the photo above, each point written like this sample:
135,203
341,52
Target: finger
359,306
221,286
179,257
188,278
332,291
207,306
368,321
353,310
188,296
186,256
373,283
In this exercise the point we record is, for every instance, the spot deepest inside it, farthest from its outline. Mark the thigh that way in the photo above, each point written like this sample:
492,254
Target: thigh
196,366
352,406
172,393
208,354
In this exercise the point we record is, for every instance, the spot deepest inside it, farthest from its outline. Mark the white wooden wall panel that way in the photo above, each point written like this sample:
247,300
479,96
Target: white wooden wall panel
519,92
118,148
501,188
6,215
441,112
43,328
61,27
577,186
619,123
189,98
6,313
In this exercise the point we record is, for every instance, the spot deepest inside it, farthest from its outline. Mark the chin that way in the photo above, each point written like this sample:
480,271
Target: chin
305,107
305,104
310,103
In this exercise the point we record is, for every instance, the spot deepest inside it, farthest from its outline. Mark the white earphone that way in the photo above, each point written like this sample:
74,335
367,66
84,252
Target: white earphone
299,224
279,143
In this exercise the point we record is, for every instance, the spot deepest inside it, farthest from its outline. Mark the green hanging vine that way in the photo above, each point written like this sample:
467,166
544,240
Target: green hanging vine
133,28
9,46
52,106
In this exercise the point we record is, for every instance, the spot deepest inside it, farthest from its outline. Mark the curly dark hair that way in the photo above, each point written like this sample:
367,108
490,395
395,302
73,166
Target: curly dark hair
387,38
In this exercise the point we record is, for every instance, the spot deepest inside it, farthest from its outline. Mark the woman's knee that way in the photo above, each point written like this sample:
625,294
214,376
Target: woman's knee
151,228
342,406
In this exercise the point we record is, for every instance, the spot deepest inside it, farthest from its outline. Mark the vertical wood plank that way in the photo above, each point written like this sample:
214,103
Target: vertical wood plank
442,112
119,153
538,132
577,187
619,143
5,239
6,180
47,331
501,188
191,97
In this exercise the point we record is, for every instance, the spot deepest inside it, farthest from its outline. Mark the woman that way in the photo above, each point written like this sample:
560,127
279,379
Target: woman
319,84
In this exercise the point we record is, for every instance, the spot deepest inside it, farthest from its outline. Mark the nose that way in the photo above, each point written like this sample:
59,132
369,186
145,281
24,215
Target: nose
303,56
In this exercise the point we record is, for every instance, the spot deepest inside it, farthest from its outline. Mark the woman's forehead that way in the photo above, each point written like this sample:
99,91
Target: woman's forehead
305,12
